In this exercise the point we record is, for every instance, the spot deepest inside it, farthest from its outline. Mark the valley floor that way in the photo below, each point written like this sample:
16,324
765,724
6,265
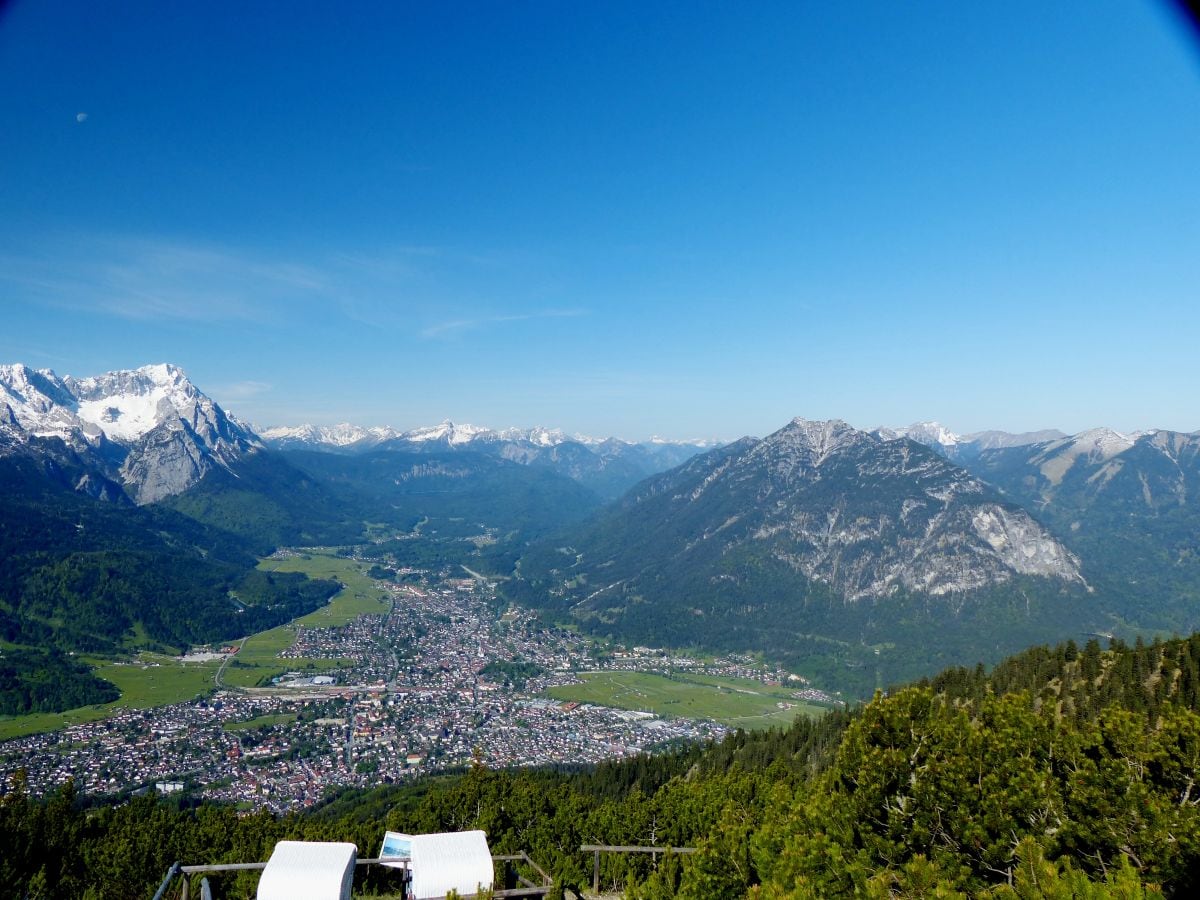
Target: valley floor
388,682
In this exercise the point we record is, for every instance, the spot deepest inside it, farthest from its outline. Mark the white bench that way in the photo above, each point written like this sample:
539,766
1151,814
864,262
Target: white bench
453,861
306,870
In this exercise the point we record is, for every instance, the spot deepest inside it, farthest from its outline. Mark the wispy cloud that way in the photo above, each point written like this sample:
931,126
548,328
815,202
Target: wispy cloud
406,290
153,280
241,390
454,326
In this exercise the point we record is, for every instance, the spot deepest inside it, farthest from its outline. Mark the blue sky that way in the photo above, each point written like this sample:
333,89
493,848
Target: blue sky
689,219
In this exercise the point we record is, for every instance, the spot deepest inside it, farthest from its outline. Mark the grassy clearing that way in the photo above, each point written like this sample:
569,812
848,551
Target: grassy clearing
155,680
737,702
259,657
358,597
257,669
261,721
148,680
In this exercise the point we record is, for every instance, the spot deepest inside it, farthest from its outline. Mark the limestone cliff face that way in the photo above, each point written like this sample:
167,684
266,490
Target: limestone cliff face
1020,543
870,516
862,514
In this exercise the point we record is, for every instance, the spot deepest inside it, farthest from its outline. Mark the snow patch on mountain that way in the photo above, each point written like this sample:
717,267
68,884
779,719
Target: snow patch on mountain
341,435
931,434
127,405
150,428
1094,445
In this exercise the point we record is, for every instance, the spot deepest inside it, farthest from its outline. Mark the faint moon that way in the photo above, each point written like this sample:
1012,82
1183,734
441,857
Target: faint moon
80,117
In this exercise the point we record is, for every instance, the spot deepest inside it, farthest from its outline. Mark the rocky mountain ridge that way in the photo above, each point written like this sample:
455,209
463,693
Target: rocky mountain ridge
864,515
1092,463
828,546
965,446
608,466
149,430
358,437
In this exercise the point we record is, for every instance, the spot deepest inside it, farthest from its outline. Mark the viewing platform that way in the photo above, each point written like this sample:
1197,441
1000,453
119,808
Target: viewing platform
325,871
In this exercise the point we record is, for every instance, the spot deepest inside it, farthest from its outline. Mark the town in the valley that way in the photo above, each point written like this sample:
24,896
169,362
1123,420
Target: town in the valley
445,678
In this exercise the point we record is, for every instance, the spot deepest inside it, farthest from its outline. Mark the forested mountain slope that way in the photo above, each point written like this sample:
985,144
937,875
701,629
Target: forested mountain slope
403,487
825,546
1081,783
1127,505
267,503
81,574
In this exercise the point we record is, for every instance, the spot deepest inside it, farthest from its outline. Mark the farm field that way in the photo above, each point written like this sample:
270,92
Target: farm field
736,702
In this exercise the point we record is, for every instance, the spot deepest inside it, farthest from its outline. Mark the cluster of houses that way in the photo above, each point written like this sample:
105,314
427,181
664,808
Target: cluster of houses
429,685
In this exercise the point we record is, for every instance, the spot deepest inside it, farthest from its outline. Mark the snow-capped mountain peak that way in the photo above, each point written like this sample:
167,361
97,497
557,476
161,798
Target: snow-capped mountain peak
38,401
447,431
931,434
127,405
538,436
925,432
546,437
149,428
341,435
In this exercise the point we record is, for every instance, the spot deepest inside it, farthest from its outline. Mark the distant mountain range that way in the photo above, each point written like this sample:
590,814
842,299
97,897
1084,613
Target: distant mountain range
357,438
966,446
150,434
1147,471
607,466
862,556
970,446
1127,503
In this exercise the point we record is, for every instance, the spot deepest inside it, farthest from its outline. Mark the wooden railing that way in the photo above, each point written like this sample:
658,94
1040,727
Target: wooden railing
527,887
597,849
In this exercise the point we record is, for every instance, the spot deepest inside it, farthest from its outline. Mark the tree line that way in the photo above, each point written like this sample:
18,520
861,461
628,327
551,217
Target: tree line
1063,772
